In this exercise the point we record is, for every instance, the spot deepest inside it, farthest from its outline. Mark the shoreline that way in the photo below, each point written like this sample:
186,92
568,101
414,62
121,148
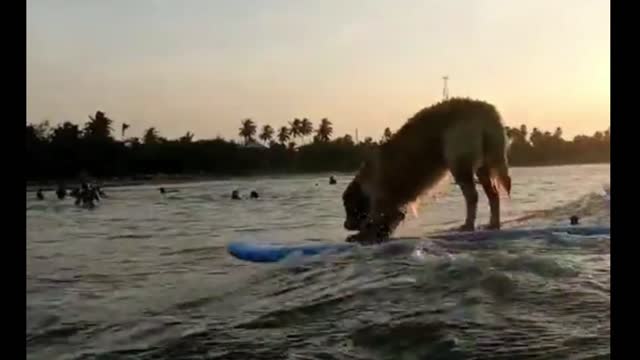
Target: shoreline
51,185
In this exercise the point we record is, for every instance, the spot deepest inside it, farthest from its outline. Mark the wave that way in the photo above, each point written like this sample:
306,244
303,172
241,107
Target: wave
546,297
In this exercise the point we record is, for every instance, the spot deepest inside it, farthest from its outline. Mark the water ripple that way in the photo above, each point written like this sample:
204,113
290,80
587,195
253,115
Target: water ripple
147,277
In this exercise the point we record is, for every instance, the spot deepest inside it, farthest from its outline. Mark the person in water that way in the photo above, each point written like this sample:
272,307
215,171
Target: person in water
254,195
80,194
39,195
87,196
61,193
167,191
235,195
332,180
99,191
93,190
574,220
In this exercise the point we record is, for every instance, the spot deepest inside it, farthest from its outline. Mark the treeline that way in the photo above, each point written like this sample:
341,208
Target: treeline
68,151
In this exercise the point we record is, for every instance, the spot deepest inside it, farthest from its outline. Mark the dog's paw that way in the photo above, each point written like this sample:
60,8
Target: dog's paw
364,238
491,226
352,238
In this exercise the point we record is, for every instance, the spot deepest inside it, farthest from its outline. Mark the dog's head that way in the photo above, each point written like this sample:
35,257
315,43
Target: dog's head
356,200
357,205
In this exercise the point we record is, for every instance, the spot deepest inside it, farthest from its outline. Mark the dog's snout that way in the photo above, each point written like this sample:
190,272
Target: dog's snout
350,225
347,225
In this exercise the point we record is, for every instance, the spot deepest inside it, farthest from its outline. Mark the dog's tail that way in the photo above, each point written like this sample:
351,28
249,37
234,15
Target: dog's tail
496,146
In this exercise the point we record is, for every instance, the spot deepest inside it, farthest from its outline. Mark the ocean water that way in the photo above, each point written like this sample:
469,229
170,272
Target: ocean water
146,276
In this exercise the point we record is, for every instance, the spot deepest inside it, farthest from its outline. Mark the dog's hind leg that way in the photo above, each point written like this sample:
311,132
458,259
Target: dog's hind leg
464,178
463,155
493,196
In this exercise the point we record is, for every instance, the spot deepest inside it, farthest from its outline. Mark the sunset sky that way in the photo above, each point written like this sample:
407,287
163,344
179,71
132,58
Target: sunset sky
202,66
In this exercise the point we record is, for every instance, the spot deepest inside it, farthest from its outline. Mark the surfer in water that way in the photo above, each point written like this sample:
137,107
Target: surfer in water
39,195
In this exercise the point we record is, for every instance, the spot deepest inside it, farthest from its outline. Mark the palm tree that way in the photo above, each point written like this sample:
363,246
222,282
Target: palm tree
99,127
386,136
283,135
345,140
248,130
598,136
558,133
66,133
124,128
132,142
267,134
512,133
306,128
151,136
324,131
523,132
295,128
43,130
187,138
535,136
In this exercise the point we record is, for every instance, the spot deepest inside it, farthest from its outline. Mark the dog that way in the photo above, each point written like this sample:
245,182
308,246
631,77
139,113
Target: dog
463,136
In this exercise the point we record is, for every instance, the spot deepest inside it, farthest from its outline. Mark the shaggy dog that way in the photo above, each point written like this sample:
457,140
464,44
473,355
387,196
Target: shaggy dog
463,136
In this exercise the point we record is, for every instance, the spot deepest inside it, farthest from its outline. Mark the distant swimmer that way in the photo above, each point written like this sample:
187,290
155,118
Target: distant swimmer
332,180
94,192
61,193
39,194
167,191
254,195
235,195
86,196
100,192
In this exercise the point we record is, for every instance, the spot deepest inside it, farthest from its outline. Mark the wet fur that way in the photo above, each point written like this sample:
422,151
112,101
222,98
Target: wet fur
463,136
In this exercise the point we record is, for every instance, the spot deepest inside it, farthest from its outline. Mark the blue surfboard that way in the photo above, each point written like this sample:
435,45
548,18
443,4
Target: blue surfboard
267,253
257,252
508,234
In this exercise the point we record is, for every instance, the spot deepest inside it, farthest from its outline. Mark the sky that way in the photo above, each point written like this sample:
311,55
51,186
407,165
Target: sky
204,65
